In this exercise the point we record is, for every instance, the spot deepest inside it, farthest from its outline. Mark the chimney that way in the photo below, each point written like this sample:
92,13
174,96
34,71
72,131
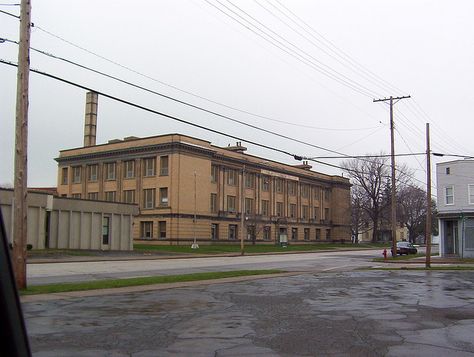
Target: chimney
304,166
237,148
90,122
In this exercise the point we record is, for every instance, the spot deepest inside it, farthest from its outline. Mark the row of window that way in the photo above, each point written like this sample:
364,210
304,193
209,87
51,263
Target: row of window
250,179
110,170
265,208
129,196
449,194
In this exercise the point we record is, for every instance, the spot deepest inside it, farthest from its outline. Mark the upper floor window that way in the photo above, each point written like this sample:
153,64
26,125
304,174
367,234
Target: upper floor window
213,204
110,170
292,188
265,208
129,169
128,196
164,196
92,174
304,190
265,183
448,171
249,206
110,196
231,204
317,192
470,189
93,196
279,185
76,174
327,194
232,177
305,213
214,173
149,166
164,161
279,209
64,174
249,180
449,195
292,210
149,198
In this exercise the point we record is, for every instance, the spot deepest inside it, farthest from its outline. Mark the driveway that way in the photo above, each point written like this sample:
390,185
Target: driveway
359,313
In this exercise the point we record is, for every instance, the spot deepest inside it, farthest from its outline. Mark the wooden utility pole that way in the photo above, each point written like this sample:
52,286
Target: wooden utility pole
428,198
242,212
20,205
393,193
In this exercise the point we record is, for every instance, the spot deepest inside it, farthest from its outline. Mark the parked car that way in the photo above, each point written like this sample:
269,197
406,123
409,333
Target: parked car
406,248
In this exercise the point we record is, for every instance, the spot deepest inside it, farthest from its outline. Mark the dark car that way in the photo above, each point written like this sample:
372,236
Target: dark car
405,248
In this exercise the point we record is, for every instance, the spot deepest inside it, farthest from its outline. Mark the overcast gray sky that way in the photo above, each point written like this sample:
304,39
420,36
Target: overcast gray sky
320,79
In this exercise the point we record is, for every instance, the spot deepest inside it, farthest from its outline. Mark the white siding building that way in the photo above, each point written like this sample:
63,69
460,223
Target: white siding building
455,190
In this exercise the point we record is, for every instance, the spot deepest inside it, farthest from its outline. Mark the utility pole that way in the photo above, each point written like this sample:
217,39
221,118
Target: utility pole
428,198
20,204
242,212
393,193
194,245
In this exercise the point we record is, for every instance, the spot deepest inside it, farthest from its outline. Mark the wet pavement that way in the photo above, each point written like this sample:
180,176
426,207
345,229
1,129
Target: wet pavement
360,313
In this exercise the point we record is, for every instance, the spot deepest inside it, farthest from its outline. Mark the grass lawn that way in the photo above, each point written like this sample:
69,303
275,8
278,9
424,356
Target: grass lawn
119,283
249,248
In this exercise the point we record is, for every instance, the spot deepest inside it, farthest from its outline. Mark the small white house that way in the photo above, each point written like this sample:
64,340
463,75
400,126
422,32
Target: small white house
455,190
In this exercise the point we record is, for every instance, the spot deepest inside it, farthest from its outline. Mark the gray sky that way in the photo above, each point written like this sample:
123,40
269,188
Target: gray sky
423,48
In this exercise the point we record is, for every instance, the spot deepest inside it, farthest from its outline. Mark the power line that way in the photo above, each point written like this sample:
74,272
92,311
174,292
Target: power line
367,156
10,14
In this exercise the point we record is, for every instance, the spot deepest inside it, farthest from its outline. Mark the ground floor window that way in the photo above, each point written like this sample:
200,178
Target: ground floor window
251,233
162,229
267,233
306,234
294,233
328,234
214,231
232,232
105,230
146,230
318,234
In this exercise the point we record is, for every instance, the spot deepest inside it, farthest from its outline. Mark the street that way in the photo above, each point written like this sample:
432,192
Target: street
86,271
358,313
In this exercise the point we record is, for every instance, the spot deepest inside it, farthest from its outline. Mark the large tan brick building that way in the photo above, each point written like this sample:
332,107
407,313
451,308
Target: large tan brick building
185,188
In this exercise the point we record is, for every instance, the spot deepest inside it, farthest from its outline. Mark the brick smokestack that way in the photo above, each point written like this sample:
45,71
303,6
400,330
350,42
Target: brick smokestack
90,122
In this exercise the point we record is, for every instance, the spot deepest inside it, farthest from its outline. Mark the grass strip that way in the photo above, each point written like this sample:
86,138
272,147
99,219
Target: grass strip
401,257
444,268
249,248
149,280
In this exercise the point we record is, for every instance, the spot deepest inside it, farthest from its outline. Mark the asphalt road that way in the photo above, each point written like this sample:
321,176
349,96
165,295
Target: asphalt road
45,273
358,313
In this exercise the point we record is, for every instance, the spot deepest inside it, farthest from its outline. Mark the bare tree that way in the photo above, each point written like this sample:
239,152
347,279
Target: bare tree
359,218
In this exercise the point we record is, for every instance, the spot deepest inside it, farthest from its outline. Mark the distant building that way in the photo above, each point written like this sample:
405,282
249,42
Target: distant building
455,182
187,188
384,233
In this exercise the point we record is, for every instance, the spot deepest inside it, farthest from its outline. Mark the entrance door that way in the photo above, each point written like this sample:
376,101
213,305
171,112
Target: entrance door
450,237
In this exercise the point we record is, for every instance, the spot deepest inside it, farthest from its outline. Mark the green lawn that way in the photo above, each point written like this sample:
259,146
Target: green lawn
119,283
249,248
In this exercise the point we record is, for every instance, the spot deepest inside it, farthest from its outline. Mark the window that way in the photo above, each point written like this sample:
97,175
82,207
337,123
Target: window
164,196
162,229
149,198
110,168
76,195
265,208
105,230
292,188
306,234
470,189
327,194
232,232
265,183
93,196
146,230
231,204
449,195
327,217
305,213
292,210
317,192
76,174
279,185
129,169
304,190
249,180
213,205
214,173
92,172
110,196
316,213
448,171
214,231
149,167
64,173
164,166
249,206
232,177
128,196
318,234
279,209
294,233
267,233
328,234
